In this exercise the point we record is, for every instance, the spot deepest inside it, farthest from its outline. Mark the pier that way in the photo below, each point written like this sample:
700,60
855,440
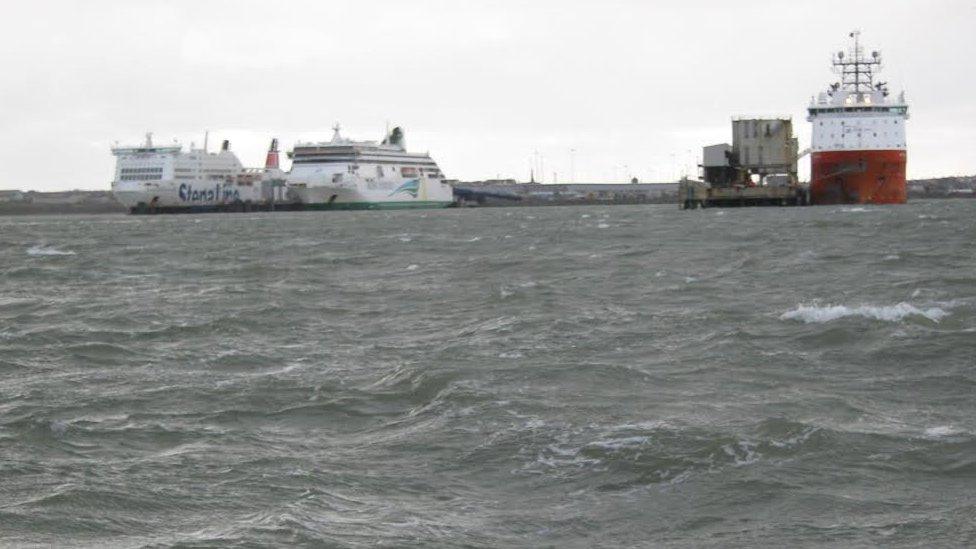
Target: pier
759,168
697,194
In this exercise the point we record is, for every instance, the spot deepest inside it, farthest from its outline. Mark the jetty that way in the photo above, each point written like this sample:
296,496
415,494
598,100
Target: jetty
759,168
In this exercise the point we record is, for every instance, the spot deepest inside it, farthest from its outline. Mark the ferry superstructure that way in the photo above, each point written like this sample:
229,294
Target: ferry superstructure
167,178
858,147
345,174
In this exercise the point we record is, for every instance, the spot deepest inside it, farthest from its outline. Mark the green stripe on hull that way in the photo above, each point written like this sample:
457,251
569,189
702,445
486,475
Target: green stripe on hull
402,205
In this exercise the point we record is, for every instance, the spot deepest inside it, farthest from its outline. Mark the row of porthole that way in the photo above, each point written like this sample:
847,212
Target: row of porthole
832,136
844,122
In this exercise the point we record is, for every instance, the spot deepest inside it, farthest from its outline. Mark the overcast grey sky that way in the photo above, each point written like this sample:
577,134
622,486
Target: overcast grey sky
482,85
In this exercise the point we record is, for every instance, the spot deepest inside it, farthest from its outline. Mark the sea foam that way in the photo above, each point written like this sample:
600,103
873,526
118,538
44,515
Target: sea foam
43,250
940,431
887,313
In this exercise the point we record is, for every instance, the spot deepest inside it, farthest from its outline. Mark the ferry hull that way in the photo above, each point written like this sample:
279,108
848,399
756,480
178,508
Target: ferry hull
401,205
355,196
182,196
858,177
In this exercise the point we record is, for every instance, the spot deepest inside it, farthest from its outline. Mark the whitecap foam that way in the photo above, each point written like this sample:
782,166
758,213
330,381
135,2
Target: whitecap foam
619,443
47,250
888,313
795,440
742,453
942,431
413,267
603,226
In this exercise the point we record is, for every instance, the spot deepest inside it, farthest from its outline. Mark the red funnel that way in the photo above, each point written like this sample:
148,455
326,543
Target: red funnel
271,162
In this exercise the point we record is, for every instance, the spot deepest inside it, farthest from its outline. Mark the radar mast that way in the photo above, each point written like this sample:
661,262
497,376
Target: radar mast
856,70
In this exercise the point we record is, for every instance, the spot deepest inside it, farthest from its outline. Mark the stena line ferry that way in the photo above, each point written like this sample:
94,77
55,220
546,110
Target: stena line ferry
166,179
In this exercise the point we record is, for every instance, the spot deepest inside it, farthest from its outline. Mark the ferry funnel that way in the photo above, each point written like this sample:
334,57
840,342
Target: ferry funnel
271,162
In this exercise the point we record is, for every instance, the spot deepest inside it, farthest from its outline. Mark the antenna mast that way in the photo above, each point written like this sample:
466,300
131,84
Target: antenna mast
855,69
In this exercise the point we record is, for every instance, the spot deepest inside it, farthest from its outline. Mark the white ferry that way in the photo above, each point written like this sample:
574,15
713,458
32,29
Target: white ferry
345,174
151,178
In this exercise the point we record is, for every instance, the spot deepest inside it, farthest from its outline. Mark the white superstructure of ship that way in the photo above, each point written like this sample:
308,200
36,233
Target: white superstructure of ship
346,174
167,178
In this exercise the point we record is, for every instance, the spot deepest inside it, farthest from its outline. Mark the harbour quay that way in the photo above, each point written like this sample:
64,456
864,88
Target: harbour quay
508,192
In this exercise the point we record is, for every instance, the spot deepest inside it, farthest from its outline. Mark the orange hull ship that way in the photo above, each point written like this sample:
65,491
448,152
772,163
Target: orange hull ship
858,151
858,177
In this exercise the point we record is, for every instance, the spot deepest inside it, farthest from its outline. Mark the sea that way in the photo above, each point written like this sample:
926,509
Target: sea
627,376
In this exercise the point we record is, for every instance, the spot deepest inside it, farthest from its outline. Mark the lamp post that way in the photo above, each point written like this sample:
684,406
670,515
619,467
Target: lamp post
572,165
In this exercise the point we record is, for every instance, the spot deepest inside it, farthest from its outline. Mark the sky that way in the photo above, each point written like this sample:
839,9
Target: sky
589,91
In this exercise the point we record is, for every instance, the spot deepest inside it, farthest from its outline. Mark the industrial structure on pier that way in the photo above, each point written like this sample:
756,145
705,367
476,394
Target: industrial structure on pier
759,168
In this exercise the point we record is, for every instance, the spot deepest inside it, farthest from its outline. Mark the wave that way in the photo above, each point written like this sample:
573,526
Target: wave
888,313
942,431
660,453
46,251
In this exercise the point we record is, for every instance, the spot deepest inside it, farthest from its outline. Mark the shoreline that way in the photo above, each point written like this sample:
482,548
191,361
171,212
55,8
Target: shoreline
14,203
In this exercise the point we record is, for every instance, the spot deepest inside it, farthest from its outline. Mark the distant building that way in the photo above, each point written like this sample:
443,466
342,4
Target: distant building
11,196
602,192
56,198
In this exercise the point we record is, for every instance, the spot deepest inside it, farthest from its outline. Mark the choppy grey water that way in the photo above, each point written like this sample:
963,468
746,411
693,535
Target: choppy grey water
530,377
